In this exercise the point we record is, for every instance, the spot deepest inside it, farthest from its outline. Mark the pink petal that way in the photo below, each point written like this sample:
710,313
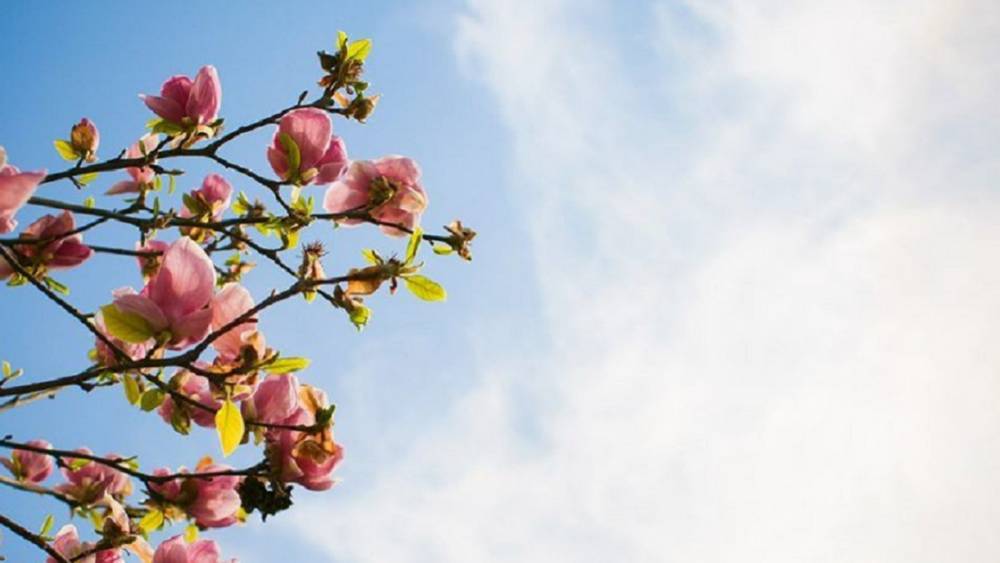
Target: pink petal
144,307
341,197
310,128
399,168
278,161
333,163
177,88
15,190
191,329
123,187
164,107
185,282
206,96
228,304
70,254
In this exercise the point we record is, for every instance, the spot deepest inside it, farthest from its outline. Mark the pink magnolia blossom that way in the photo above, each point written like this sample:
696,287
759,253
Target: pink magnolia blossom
322,155
177,298
85,138
186,102
306,458
213,197
62,253
67,543
176,550
149,265
142,176
198,389
90,482
31,467
229,304
276,399
105,354
212,502
16,188
391,184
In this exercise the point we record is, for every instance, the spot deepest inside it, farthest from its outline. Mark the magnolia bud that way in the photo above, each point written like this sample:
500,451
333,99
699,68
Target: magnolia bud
85,138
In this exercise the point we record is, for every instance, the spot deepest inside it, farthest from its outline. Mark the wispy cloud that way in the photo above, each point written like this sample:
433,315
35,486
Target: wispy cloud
766,236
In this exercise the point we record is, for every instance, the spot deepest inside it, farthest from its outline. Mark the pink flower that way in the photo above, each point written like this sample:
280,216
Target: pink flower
105,354
306,458
186,102
391,185
176,550
67,543
212,502
177,298
89,482
62,253
197,388
142,177
85,138
149,265
31,467
276,398
322,156
16,188
211,199
227,305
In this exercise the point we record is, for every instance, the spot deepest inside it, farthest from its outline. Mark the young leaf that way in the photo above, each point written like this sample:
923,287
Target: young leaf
413,245
371,257
191,533
151,399
56,286
443,249
293,155
90,202
359,316
359,49
85,179
152,521
341,39
66,150
130,327
47,526
229,424
78,464
6,369
425,288
132,392
287,365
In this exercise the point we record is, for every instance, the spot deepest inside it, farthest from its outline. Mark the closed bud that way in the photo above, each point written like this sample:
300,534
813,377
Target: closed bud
85,138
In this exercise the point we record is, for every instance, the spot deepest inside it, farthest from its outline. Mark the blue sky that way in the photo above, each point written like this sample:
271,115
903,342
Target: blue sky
734,295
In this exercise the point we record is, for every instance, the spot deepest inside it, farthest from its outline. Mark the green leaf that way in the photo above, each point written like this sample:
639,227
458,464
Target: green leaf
168,128
360,315
78,464
47,525
191,533
443,249
6,369
229,424
292,154
359,49
172,184
66,150
151,399
132,391
129,327
85,179
371,257
242,204
341,39
413,245
56,286
425,288
90,202
287,365
152,521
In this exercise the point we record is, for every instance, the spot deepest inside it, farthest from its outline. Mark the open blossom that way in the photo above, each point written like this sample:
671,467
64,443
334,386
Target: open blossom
16,188
176,550
390,185
67,543
210,200
196,388
30,467
212,502
85,139
187,102
89,482
322,155
306,458
61,253
177,298
142,176
230,303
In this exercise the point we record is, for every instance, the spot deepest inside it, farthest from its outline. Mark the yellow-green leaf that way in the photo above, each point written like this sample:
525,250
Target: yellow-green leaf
191,533
359,49
66,150
292,154
341,39
85,179
287,365
425,288
132,391
90,202
371,256
413,245
360,315
47,526
443,249
229,425
129,327
6,369
152,521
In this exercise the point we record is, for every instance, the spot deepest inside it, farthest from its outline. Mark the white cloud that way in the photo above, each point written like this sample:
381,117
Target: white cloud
768,258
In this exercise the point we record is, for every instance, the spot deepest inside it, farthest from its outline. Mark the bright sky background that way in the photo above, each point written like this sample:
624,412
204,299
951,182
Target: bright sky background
735,297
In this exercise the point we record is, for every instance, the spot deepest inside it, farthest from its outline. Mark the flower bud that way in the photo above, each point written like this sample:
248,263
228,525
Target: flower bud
85,138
